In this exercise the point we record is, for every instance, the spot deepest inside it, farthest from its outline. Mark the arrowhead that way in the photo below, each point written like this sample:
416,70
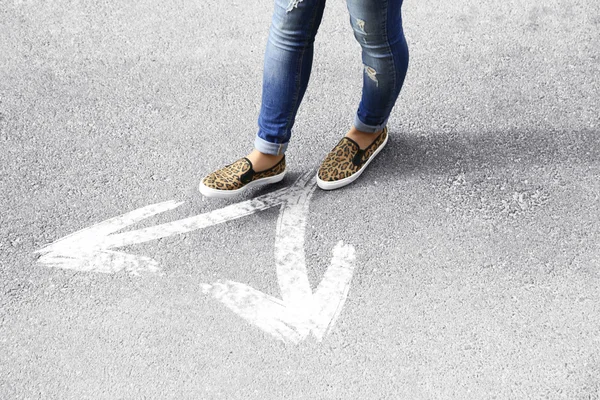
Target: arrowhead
292,322
267,312
84,249
300,311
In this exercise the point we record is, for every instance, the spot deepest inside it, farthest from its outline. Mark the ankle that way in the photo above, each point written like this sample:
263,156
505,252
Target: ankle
364,139
261,161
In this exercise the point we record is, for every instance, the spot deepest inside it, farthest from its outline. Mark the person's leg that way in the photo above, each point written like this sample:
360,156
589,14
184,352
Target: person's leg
378,29
377,26
287,66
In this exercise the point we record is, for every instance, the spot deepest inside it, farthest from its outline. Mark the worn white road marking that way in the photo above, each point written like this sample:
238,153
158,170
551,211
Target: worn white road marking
290,319
90,249
300,312
289,248
292,322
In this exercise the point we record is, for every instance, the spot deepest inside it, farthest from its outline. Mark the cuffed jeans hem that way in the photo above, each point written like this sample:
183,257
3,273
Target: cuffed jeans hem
361,126
263,146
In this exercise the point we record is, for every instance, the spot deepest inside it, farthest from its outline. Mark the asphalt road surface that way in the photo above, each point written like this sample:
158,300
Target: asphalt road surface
475,233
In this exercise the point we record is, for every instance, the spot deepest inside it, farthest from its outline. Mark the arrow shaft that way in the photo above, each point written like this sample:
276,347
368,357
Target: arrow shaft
205,220
196,222
290,260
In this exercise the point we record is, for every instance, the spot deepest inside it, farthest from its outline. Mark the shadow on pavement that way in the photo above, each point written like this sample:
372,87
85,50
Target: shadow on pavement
492,151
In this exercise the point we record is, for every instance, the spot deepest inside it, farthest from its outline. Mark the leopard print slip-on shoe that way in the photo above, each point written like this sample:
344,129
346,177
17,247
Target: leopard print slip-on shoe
233,179
347,161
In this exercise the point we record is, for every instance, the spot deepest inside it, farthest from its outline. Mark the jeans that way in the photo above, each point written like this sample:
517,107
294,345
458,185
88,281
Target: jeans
377,26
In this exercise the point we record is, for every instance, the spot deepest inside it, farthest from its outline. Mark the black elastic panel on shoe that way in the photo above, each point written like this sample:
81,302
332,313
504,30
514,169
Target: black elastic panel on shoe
246,177
358,158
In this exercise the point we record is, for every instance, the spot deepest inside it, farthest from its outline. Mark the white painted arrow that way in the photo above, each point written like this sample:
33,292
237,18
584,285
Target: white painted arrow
300,311
291,319
90,249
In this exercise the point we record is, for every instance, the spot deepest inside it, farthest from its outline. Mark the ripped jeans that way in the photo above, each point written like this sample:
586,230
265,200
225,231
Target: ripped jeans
377,26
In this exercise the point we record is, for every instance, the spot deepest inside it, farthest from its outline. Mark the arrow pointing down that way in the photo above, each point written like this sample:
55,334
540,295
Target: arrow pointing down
301,311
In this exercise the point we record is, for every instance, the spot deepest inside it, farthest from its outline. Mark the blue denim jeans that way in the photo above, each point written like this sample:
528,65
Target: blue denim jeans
377,26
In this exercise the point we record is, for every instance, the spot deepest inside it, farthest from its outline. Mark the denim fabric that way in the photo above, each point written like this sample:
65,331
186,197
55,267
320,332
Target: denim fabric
377,26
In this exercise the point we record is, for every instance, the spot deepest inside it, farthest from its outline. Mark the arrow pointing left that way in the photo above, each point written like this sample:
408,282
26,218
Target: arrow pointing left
90,249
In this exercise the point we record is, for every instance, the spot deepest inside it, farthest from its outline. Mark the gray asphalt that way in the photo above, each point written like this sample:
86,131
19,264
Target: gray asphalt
476,230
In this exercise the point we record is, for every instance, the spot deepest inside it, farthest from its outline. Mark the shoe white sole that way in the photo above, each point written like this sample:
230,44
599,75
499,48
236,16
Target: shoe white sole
327,185
226,194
